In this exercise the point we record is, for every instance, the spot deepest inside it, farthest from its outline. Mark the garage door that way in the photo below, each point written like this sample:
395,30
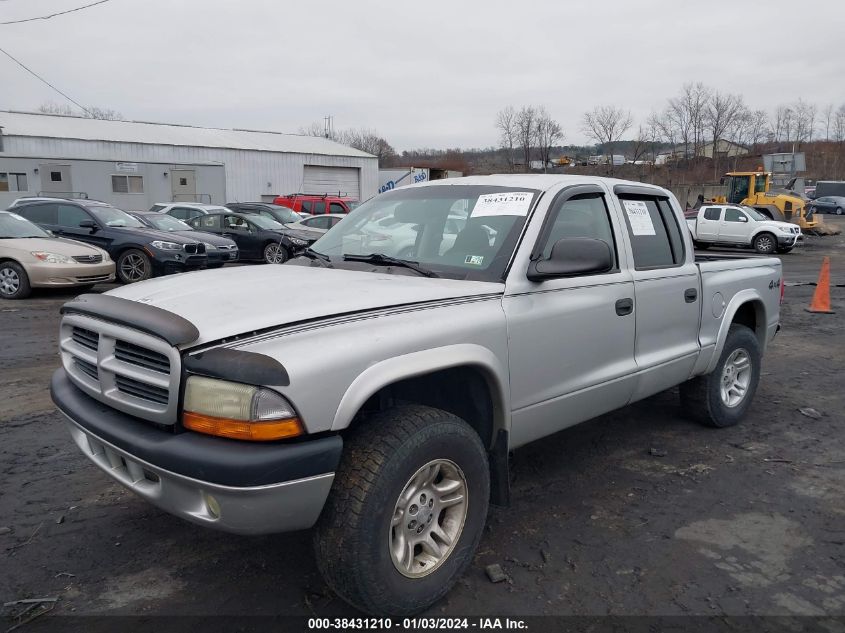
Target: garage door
332,180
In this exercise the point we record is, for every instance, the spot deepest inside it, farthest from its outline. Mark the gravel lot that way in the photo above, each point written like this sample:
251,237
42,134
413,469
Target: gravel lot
636,513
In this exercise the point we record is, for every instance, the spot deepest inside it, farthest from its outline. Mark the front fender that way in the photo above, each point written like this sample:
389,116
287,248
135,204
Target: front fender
393,370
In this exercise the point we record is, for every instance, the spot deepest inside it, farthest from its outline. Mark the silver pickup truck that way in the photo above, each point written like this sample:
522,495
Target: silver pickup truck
376,399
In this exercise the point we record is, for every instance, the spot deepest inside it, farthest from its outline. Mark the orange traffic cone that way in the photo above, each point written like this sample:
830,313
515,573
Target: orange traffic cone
821,297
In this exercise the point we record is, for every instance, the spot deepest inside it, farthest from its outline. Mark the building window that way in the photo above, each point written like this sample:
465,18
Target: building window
13,182
127,184
56,176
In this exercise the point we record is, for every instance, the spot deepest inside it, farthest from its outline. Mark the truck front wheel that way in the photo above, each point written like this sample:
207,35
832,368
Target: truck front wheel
406,510
722,397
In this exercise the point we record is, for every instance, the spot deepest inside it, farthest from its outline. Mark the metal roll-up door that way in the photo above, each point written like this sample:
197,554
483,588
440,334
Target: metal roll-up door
332,180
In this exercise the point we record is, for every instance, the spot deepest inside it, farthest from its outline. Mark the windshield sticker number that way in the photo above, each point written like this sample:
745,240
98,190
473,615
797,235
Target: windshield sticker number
507,203
475,260
638,217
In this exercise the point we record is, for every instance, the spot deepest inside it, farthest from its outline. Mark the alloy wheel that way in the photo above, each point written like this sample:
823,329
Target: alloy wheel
736,377
428,518
133,267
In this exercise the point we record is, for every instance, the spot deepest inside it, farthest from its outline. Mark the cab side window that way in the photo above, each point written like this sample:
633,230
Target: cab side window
580,216
656,238
735,215
712,213
306,206
336,207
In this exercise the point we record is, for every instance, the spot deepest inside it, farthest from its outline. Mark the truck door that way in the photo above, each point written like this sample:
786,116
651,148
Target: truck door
666,289
735,227
571,340
707,224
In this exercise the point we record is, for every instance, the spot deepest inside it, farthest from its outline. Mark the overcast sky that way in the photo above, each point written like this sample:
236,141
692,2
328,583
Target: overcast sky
426,74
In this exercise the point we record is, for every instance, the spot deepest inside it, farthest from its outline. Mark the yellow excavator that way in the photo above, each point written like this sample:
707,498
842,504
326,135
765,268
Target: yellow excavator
752,188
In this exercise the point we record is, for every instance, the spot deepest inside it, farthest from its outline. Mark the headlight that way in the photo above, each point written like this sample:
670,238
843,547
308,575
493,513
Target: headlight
210,247
166,246
297,241
238,411
785,229
106,257
52,258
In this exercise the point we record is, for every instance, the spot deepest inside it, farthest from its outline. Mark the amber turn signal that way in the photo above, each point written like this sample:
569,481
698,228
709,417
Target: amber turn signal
262,431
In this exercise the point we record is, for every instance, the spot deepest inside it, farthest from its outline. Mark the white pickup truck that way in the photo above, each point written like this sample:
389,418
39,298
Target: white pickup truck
734,225
377,397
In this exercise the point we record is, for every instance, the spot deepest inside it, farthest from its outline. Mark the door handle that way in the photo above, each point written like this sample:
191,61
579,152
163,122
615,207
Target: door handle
624,307
690,295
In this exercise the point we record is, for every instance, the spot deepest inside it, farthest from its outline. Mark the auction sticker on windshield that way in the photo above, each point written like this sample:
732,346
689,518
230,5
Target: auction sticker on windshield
638,217
505,203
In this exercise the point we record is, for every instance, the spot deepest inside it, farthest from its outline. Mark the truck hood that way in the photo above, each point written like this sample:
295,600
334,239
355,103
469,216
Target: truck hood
775,224
240,300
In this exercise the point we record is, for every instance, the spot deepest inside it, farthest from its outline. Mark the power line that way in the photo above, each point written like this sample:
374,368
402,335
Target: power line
53,15
42,80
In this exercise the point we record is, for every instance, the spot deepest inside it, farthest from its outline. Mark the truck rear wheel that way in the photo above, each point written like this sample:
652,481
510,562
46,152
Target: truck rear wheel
722,397
406,511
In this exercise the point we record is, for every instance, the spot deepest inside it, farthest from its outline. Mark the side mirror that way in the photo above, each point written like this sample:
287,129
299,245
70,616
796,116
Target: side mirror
573,256
89,224
742,218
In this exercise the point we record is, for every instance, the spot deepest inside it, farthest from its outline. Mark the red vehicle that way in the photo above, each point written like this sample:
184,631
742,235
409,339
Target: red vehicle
314,204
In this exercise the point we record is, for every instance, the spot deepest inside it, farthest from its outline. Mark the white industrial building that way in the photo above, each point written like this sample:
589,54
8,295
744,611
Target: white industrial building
134,164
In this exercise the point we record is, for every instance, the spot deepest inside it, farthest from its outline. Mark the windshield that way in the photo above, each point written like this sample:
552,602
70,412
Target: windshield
110,216
13,225
285,215
264,222
754,214
164,222
456,231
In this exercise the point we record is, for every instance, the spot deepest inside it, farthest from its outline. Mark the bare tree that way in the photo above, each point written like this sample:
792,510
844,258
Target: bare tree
723,112
606,125
839,124
364,139
548,133
527,132
90,112
508,132
805,121
828,119
697,98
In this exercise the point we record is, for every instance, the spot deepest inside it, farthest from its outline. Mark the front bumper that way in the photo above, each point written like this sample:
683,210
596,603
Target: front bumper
43,275
219,257
233,486
789,240
166,263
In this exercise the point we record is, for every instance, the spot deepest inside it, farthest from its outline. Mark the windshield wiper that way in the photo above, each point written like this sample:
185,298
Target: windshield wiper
387,260
325,260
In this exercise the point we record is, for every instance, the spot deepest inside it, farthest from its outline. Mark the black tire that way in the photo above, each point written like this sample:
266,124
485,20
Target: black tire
133,265
765,243
275,253
380,459
701,397
14,282
838,210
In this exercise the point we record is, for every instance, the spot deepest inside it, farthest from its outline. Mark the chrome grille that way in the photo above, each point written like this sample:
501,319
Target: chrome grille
137,355
89,259
86,338
129,370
